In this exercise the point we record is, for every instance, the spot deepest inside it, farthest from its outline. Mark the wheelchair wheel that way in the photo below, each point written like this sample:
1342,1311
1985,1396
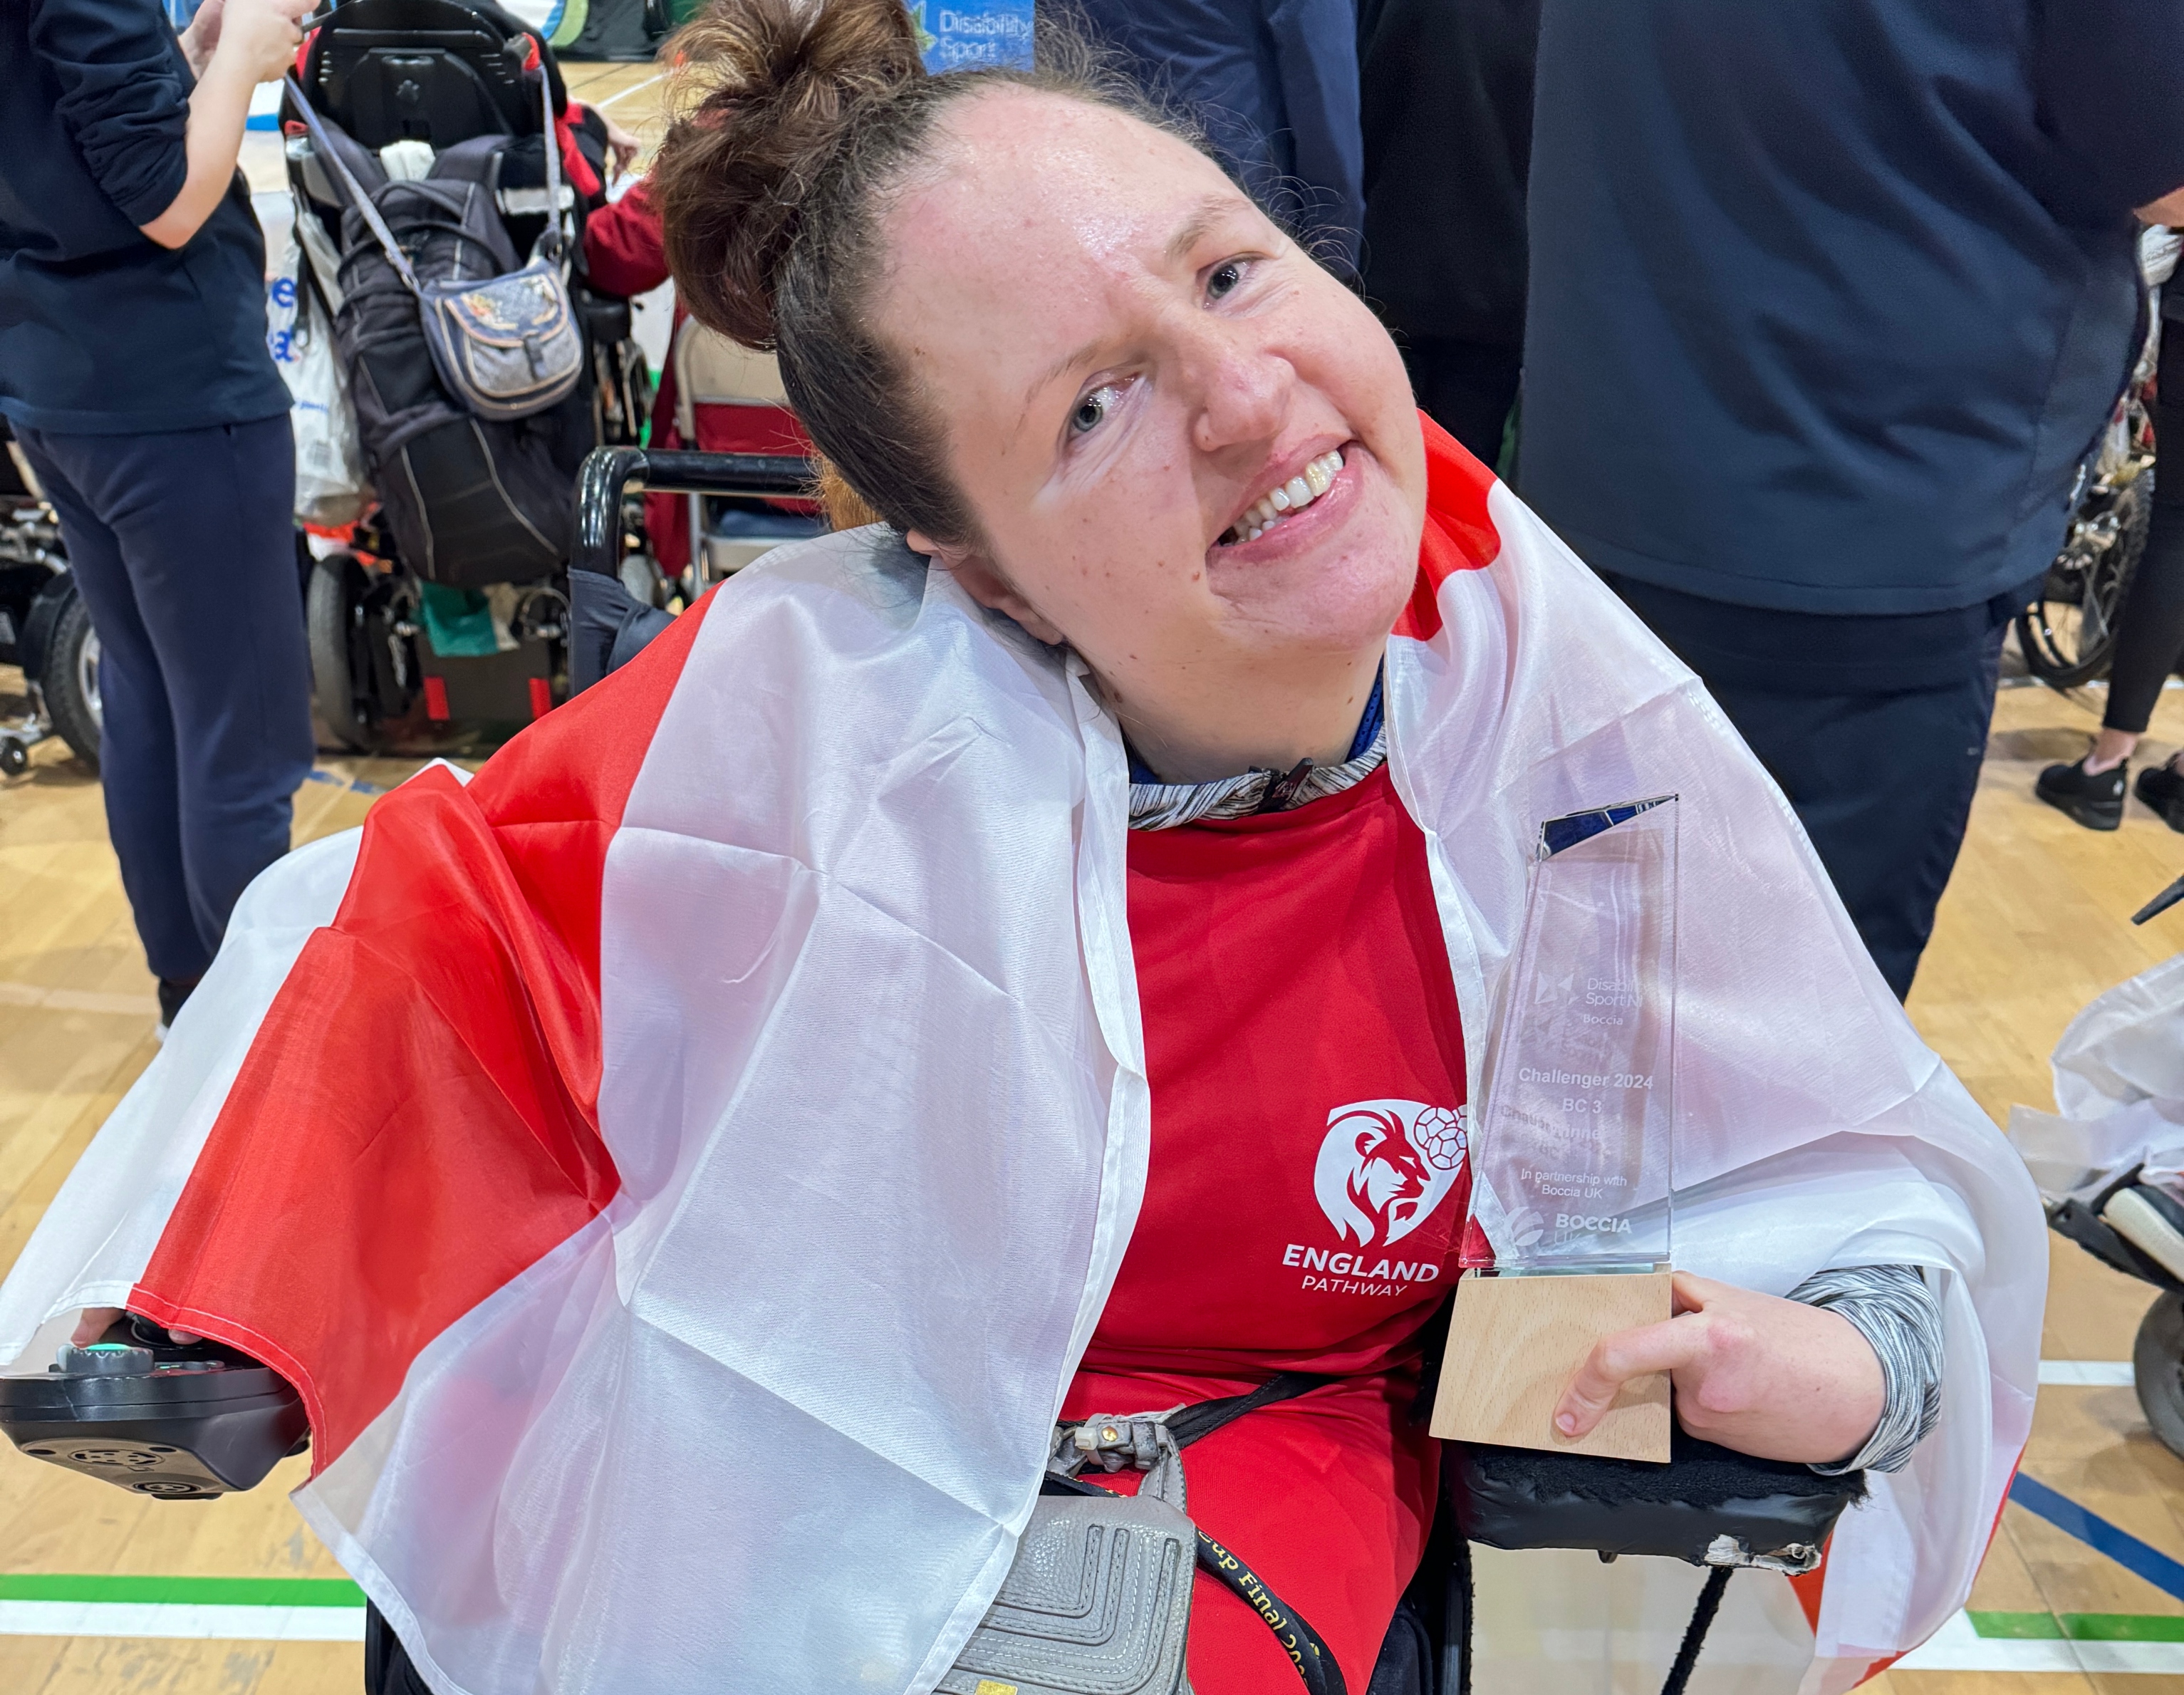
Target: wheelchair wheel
621,391
2068,634
2157,1369
69,682
364,670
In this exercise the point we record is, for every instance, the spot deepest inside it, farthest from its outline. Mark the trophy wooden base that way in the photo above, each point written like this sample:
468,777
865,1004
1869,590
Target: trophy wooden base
1513,1342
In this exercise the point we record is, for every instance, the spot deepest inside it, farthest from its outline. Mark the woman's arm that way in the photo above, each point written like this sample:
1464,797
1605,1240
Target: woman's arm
624,252
1898,1312
252,43
1763,1375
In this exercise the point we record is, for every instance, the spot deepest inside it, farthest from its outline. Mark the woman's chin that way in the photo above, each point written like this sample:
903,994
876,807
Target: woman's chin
1341,592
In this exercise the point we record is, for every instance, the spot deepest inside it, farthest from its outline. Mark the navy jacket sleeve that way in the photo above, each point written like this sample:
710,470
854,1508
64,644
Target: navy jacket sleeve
124,96
2110,75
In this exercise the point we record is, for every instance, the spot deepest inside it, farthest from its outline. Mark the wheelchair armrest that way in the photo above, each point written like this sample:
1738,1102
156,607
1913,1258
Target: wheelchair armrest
1708,1505
611,625
608,628
2082,1223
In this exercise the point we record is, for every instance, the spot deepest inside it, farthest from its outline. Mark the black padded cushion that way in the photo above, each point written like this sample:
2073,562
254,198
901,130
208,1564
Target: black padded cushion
1520,1497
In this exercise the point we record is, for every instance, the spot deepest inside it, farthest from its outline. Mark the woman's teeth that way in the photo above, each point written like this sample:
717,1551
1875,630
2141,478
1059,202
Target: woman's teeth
1298,493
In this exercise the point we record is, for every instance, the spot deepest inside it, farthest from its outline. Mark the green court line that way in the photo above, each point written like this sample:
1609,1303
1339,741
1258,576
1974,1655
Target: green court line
2082,1627
2019,1626
199,1591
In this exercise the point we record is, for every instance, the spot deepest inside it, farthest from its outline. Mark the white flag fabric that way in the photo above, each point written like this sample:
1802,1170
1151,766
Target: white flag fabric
2119,1092
682,1169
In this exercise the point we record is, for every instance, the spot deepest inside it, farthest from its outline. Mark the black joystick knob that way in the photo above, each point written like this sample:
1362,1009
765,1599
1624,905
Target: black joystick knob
180,1421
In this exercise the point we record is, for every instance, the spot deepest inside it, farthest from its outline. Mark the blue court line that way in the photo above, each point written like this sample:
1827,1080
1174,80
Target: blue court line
2096,1533
355,784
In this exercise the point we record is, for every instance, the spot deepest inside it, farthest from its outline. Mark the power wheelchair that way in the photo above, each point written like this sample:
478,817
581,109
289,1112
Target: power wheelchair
406,81
45,627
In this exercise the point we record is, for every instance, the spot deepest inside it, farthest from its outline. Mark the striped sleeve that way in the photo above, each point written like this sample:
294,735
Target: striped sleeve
1893,1309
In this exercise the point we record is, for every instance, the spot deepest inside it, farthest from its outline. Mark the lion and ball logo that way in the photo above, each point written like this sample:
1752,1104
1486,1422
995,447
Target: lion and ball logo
1385,1166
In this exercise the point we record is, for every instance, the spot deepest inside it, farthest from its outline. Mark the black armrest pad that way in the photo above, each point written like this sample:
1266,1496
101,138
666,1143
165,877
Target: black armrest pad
1521,1498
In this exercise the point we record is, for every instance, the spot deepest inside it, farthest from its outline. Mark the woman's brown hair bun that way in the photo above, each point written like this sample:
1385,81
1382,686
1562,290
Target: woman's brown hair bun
764,91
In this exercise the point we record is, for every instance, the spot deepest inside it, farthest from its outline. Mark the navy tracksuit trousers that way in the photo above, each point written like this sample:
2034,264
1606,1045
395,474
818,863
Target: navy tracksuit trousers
184,549
1875,728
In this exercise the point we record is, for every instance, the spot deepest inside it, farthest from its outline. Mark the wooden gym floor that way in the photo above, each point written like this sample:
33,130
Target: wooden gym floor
103,1595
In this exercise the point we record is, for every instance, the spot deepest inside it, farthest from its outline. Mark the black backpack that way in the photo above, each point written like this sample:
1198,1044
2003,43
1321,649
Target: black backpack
469,501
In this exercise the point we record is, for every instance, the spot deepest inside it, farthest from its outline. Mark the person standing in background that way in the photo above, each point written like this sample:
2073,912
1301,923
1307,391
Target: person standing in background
1827,299
1444,87
1274,85
134,369
2149,623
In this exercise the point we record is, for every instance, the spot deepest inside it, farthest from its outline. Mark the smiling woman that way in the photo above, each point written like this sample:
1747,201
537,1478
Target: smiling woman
1252,406
1028,959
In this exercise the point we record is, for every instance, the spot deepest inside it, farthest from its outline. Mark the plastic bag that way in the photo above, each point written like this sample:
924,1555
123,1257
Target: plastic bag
331,487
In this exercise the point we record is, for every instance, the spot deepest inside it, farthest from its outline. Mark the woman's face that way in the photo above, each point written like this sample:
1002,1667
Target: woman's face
1130,360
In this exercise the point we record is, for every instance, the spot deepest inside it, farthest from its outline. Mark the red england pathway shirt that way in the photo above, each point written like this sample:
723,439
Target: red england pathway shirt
1308,1183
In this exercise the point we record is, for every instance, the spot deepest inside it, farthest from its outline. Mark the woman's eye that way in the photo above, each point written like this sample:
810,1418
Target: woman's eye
1092,410
1224,279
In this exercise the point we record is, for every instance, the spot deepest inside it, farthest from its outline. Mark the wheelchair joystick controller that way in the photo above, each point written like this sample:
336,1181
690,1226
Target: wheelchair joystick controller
176,1421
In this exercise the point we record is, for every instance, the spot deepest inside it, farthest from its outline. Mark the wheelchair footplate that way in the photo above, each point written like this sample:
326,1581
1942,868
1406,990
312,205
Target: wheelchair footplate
176,1421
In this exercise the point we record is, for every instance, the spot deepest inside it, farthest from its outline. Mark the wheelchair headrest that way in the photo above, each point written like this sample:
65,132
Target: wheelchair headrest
438,71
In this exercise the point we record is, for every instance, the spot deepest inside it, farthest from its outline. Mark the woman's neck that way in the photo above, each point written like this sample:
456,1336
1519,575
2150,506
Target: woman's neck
1266,720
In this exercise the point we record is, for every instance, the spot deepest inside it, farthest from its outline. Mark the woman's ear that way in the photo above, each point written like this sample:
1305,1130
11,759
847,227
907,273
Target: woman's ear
985,584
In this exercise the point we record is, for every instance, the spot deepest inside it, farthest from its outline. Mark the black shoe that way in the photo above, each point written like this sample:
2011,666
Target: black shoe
172,993
2095,801
2162,788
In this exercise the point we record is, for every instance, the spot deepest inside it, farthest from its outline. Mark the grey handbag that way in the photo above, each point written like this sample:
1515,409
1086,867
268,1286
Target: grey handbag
1098,1601
508,346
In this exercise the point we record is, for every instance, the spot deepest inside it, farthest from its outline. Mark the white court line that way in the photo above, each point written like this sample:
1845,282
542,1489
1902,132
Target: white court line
170,1619
2086,1373
624,94
78,1001
1957,1646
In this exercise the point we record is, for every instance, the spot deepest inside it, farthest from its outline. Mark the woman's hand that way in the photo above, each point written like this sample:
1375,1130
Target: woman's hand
203,37
261,36
622,147
2168,209
252,41
96,1321
1769,1377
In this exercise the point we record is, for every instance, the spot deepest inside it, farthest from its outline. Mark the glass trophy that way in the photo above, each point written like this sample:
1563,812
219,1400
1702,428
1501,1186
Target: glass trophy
1574,1156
